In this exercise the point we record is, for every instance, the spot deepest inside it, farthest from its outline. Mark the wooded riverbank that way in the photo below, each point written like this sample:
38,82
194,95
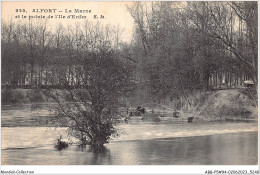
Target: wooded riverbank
230,104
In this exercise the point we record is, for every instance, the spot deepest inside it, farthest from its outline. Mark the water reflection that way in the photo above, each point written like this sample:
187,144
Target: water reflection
229,149
141,143
92,155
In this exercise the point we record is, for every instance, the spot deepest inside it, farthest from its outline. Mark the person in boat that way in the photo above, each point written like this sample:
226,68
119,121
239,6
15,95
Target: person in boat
142,110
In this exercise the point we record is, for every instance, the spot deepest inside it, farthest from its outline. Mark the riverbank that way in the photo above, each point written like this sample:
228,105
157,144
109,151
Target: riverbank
21,96
220,105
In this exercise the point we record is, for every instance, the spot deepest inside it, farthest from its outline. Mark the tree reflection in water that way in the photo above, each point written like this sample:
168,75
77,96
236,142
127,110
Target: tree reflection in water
96,155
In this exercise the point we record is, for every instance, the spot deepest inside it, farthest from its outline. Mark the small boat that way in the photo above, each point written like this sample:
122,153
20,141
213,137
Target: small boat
179,119
190,119
135,118
176,114
161,118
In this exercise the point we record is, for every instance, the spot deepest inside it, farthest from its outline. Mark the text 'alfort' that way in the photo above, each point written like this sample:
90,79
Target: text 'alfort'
65,11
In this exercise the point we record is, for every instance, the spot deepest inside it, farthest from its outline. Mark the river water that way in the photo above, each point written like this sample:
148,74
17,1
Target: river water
140,142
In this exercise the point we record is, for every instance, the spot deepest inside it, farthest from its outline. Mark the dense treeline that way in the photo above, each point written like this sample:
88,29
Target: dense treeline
189,46
36,54
86,61
177,48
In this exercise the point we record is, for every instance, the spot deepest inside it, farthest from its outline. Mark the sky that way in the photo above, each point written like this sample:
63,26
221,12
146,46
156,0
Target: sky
114,13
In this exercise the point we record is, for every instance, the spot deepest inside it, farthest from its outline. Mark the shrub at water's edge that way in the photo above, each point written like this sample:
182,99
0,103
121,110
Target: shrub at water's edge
91,113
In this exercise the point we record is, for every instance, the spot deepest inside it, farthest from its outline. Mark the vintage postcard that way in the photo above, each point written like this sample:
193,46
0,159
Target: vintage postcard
130,83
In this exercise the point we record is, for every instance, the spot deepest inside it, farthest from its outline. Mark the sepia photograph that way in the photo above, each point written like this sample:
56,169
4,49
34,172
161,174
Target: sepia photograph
130,83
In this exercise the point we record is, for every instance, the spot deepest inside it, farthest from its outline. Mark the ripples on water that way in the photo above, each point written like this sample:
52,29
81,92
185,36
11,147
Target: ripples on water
140,142
223,149
19,137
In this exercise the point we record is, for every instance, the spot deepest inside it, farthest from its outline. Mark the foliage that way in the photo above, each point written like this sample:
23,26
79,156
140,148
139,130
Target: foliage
34,95
10,96
194,46
93,105
178,49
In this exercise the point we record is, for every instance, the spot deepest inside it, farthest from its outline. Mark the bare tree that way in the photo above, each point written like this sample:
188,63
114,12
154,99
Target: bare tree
91,107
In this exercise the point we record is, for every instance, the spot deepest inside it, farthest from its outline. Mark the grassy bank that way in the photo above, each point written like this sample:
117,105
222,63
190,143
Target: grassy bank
230,104
218,105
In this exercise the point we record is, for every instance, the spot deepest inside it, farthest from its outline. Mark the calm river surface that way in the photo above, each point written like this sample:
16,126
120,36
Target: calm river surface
143,142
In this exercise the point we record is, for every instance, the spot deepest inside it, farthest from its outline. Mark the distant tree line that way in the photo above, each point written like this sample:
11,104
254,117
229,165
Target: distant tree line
188,46
33,53
81,64
177,48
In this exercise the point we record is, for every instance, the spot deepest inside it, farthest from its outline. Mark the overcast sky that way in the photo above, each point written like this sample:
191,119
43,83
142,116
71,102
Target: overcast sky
114,12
